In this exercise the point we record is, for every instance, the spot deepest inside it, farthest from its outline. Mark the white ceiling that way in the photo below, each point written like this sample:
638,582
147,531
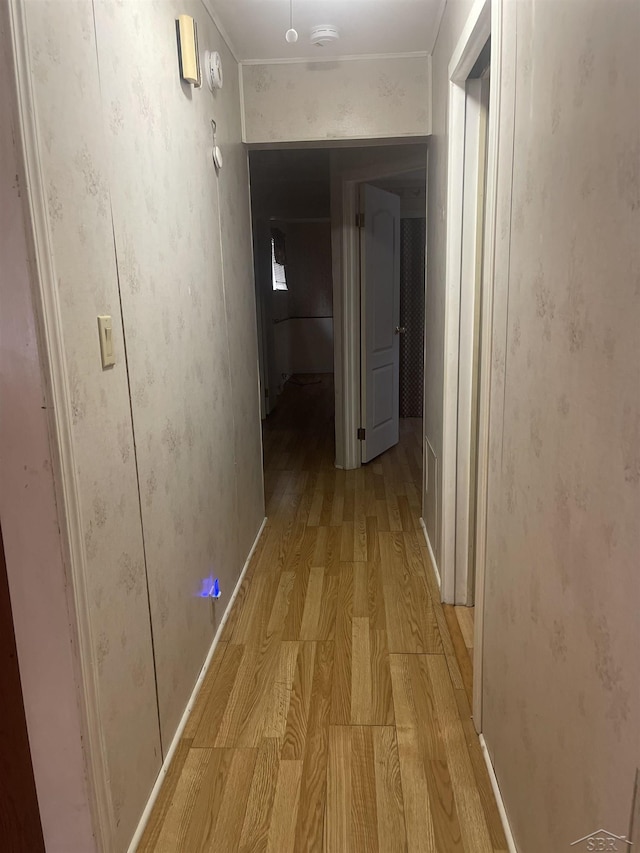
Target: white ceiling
256,28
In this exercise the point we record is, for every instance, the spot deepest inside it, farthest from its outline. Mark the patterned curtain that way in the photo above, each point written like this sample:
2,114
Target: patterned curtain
412,259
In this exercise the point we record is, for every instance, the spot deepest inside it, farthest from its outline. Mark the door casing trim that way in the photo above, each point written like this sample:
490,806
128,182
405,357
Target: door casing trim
346,299
484,21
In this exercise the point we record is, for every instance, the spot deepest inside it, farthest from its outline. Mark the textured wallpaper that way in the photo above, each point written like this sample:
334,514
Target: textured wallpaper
76,173
561,691
36,569
134,202
361,99
564,532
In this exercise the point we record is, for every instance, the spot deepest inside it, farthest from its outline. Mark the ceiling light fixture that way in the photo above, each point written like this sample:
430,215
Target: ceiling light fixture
291,35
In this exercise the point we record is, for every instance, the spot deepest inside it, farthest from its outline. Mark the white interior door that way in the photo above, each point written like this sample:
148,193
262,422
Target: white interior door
380,318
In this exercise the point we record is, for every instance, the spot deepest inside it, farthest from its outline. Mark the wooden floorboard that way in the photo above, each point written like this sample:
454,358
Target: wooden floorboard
465,620
462,656
334,715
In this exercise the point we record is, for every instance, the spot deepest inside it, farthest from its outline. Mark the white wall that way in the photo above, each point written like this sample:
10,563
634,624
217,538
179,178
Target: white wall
303,346
343,99
311,345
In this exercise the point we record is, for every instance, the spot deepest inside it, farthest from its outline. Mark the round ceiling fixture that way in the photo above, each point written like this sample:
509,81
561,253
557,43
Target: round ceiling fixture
324,34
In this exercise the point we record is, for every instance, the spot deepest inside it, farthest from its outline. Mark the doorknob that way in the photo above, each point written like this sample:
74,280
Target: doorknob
400,330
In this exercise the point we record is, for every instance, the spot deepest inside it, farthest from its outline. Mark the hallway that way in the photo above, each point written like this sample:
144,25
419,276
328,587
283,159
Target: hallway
333,715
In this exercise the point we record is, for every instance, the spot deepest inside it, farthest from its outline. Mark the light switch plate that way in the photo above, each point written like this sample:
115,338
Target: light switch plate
106,340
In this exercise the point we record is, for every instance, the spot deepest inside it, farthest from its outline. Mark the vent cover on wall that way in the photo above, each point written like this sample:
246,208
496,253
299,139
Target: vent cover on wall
324,34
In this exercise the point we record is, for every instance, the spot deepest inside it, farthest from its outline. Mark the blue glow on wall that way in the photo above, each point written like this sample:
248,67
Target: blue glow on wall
210,588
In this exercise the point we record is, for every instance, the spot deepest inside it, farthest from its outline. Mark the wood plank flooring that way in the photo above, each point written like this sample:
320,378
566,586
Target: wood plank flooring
465,620
334,715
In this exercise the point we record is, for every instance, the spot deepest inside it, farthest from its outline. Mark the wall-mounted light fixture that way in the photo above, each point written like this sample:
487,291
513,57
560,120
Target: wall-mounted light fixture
187,30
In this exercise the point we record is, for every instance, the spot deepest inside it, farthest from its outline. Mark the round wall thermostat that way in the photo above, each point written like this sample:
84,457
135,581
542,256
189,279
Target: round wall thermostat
213,69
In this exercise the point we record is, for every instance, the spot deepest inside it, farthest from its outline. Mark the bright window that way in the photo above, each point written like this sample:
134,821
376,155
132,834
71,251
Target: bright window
278,275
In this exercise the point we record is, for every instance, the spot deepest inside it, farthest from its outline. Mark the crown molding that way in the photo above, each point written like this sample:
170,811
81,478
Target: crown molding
208,5
309,60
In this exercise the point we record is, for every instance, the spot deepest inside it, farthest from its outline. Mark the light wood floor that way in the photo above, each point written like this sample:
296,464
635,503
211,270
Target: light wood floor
465,620
334,715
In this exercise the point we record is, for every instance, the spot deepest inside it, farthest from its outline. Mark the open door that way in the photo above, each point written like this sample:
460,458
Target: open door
380,318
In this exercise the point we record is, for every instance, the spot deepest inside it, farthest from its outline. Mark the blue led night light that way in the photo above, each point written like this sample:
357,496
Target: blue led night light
210,588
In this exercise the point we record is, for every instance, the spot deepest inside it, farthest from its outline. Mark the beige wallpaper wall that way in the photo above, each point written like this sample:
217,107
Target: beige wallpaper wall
134,203
561,688
75,166
357,99
29,511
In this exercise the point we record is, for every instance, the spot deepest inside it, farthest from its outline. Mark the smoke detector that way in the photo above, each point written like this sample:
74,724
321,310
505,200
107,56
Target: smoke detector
324,34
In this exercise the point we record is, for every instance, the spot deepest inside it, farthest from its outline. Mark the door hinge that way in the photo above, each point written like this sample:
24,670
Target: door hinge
359,220
361,433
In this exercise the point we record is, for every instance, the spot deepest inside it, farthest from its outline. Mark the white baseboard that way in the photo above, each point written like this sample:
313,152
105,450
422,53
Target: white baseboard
511,845
133,846
431,554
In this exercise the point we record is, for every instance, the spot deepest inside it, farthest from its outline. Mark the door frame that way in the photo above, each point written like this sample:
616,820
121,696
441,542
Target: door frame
345,205
18,786
484,22
469,335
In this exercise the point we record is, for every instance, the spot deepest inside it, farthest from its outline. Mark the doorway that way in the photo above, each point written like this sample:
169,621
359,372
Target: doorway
477,89
471,205
19,814
300,191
